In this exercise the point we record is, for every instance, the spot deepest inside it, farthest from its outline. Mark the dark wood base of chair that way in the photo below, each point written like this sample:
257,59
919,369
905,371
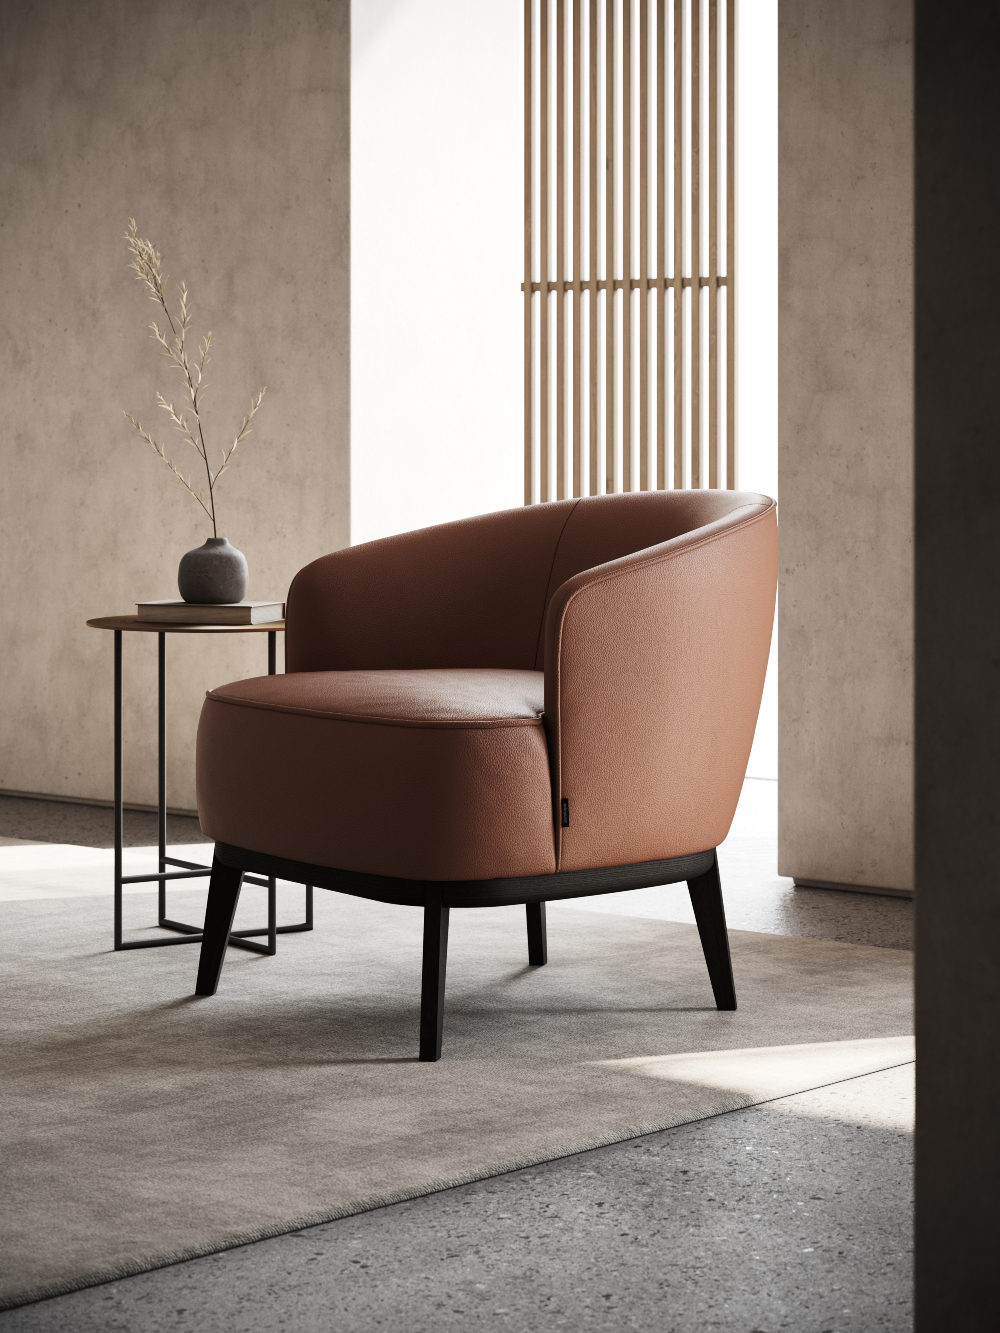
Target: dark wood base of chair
432,978
701,872
710,914
538,949
223,896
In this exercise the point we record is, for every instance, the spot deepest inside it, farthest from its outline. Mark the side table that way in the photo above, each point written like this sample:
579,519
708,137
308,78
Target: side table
185,934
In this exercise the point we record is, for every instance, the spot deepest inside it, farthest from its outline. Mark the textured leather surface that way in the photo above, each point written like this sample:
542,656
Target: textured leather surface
435,698
467,594
429,775
385,750
605,528
654,670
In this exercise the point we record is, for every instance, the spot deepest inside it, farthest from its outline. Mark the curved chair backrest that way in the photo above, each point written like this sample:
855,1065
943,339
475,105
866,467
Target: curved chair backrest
475,593
465,594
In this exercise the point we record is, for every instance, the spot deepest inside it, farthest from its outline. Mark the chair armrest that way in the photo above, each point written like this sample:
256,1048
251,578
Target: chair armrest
654,670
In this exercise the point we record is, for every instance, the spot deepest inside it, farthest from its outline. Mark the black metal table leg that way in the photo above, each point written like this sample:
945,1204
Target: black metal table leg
272,894
183,932
272,915
119,831
161,727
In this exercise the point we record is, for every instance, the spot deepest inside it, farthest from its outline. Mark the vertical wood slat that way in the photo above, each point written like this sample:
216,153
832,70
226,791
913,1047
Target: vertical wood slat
560,156
695,233
577,293
713,245
592,179
661,244
636,259
678,244
609,247
731,455
529,350
644,245
543,237
627,397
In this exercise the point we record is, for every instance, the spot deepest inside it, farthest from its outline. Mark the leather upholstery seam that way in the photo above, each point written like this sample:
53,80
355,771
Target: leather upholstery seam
557,667
558,793
663,559
366,719
548,584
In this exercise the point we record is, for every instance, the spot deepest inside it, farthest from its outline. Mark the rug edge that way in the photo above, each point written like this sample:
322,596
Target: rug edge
119,1272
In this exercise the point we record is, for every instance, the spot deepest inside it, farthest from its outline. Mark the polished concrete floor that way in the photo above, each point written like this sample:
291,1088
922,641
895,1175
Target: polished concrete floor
792,1215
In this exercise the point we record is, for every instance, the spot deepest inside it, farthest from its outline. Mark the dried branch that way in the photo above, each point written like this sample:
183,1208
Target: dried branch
178,475
180,423
204,358
243,430
185,318
176,353
147,264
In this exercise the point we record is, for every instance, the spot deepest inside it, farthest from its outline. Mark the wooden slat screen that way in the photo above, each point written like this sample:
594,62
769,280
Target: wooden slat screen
629,317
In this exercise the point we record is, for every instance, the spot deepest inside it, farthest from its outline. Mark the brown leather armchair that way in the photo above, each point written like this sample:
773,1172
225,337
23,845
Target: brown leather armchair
543,703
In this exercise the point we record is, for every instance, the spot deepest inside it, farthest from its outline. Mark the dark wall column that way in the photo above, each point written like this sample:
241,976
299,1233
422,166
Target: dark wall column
957,91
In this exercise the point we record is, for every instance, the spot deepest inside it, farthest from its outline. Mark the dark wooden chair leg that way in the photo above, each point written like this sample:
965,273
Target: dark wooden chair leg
710,914
223,895
538,952
432,985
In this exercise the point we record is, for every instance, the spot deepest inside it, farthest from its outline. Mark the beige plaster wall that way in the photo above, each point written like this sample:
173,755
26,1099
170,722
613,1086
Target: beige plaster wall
846,441
224,129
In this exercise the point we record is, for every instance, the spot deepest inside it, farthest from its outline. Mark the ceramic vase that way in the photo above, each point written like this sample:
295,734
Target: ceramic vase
213,573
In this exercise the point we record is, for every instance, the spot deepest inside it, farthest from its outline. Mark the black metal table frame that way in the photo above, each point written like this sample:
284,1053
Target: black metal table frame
185,934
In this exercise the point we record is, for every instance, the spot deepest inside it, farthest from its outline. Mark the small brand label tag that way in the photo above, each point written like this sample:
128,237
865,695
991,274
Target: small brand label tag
565,812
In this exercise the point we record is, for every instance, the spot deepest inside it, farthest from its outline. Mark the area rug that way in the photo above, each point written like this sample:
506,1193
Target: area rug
140,1126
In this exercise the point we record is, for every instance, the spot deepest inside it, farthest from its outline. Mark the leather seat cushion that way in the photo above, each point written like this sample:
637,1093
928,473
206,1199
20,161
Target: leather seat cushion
432,775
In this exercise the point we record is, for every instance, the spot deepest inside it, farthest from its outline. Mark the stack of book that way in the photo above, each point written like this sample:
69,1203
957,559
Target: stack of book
197,613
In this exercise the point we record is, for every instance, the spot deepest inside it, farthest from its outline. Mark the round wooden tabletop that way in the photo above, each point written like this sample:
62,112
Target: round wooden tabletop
166,627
